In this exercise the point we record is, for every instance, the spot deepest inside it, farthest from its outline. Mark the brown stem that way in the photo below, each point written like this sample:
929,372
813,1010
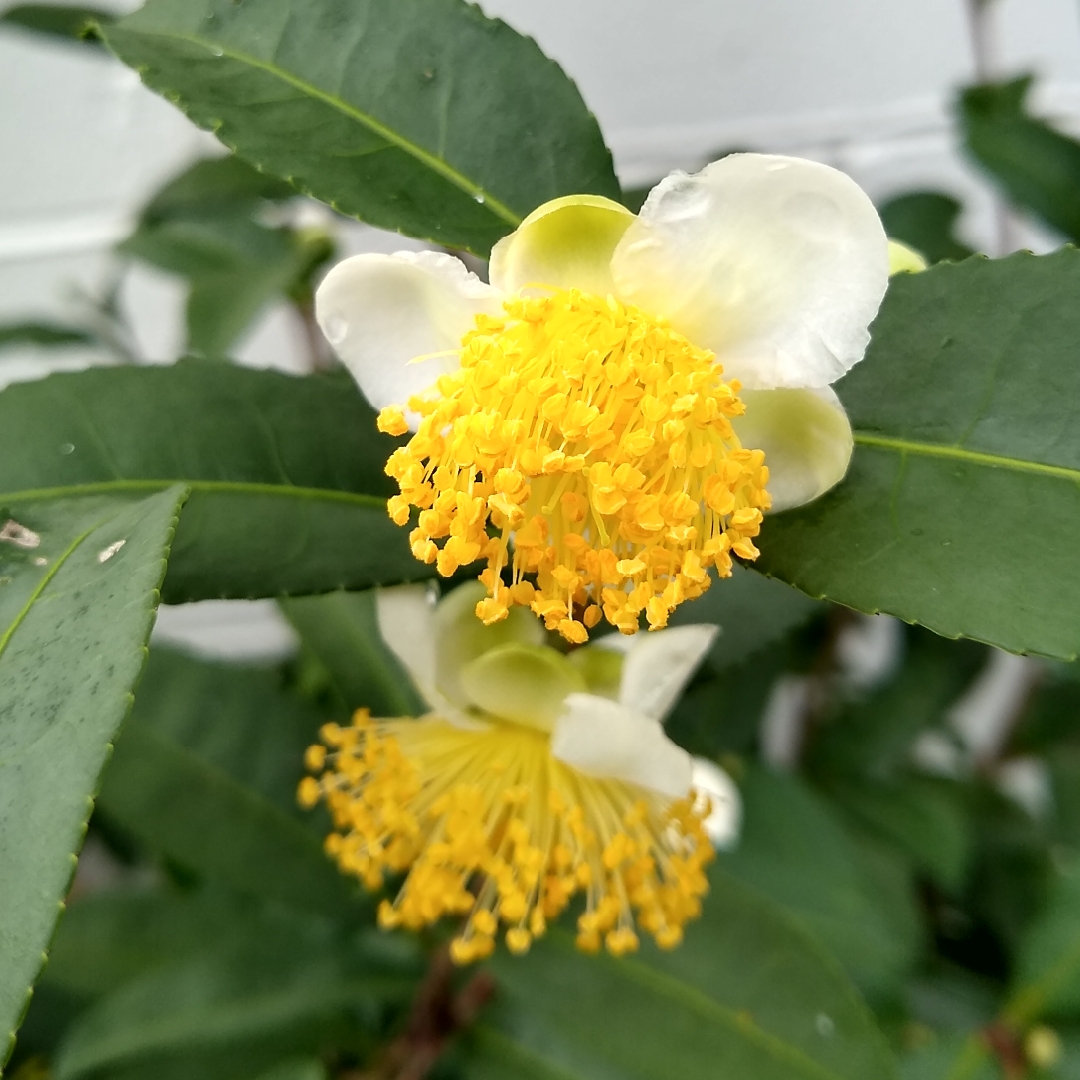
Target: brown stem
438,1013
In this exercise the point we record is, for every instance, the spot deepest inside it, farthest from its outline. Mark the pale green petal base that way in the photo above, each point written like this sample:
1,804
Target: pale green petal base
566,243
806,438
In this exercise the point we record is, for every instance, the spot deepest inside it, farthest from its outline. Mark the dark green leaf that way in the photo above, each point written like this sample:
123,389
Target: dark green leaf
66,21
236,718
924,818
43,334
422,116
1011,874
1048,968
1064,767
1037,167
286,473
342,630
963,496
107,939
213,188
296,1069
276,985
205,225
184,807
795,850
746,995
873,736
1052,717
926,221
78,589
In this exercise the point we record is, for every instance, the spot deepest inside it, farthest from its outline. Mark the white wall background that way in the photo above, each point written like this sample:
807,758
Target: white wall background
863,84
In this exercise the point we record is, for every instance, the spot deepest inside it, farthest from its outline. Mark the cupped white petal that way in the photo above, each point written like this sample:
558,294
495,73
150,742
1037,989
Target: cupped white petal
806,437
406,615
659,664
602,738
566,243
526,684
383,312
709,781
776,264
460,637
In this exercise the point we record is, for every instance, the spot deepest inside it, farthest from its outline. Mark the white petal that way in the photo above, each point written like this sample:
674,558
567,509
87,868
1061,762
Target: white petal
380,312
776,264
406,615
526,684
602,738
566,243
659,663
710,782
806,437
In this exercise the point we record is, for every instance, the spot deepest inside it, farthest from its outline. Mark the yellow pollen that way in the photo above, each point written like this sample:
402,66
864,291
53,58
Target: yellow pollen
585,450
494,830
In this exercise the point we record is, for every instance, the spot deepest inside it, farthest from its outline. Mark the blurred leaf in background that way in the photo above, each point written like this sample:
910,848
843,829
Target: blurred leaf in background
213,225
65,22
926,221
1036,166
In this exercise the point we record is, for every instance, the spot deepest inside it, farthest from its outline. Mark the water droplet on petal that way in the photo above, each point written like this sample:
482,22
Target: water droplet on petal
480,198
336,329
41,561
825,1025
217,52
680,198
110,551
19,535
67,448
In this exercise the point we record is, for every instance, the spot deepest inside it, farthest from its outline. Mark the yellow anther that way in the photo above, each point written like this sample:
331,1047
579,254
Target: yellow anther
589,438
518,940
392,421
309,792
512,855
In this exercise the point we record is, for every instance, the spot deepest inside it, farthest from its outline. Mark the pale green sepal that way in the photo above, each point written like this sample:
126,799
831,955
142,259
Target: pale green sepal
905,260
601,667
806,438
461,637
526,684
566,243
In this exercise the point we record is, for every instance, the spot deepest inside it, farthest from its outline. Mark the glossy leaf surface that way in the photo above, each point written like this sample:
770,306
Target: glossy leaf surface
963,496
78,591
422,116
746,995
286,474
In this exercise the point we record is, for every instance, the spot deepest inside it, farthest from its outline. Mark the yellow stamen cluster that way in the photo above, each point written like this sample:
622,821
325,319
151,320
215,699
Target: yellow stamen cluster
599,442
493,829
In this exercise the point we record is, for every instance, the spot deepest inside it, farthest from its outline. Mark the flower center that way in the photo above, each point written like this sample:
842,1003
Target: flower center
595,443
492,828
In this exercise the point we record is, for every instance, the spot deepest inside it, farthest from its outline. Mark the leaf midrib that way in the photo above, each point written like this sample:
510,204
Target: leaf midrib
436,164
235,487
675,989
43,584
959,453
